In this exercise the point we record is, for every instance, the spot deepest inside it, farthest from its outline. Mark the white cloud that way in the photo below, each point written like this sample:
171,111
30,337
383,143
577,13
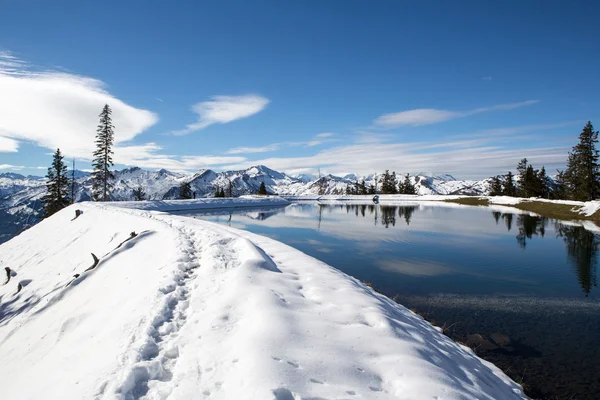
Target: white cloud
248,150
469,159
59,110
427,116
8,145
317,140
148,156
325,135
486,78
13,167
224,109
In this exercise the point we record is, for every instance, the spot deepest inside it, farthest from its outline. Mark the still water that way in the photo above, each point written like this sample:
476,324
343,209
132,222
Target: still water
521,290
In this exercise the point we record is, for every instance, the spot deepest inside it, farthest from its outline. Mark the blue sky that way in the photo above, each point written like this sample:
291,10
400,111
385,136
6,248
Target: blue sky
465,87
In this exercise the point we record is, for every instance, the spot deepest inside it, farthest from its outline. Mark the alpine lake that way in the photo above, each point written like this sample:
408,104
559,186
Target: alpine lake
520,290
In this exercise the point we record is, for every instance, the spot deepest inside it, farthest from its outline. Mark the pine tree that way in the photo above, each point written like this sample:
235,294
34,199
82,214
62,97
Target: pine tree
73,182
521,178
388,183
262,190
407,187
496,187
222,193
57,186
509,185
394,183
139,194
543,184
371,189
560,191
185,191
363,187
582,176
102,175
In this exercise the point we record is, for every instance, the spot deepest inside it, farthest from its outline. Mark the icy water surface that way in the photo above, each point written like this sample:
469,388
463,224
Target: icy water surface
521,290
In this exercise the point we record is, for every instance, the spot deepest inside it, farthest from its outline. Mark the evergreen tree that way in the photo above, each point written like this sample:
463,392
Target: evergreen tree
521,178
57,186
560,191
348,190
222,193
394,183
407,187
582,176
101,176
509,185
388,183
73,182
496,187
139,194
363,187
543,184
262,189
371,189
185,191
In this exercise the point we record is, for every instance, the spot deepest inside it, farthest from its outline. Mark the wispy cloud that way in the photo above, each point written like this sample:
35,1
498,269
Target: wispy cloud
11,167
8,145
222,110
427,116
486,78
325,135
518,130
149,155
65,106
317,140
466,159
249,150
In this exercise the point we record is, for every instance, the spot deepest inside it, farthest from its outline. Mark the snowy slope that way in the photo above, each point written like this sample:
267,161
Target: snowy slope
193,310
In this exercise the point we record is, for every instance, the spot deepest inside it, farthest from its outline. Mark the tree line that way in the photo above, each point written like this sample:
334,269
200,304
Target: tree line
580,180
387,184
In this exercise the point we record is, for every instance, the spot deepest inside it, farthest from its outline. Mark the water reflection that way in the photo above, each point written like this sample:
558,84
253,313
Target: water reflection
582,248
582,244
383,215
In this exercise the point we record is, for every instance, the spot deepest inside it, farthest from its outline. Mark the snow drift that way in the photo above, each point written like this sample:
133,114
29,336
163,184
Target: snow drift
187,309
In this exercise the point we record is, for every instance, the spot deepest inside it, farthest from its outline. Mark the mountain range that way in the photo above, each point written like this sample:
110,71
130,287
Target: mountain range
20,196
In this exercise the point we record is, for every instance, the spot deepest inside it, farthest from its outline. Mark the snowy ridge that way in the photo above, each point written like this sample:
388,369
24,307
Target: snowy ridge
190,309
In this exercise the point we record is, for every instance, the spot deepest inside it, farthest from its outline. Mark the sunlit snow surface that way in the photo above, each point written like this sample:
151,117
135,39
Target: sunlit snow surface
189,309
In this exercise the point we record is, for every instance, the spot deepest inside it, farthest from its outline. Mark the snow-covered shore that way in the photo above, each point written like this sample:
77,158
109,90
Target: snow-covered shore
188,309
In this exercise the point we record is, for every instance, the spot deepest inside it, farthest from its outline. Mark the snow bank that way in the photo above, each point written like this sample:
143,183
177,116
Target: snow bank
190,309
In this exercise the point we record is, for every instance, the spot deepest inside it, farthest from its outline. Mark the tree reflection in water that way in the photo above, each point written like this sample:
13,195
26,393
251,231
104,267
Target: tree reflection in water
384,215
582,247
582,244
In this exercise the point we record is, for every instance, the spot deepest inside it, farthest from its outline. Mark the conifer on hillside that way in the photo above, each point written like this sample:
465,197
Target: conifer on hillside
496,187
185,191
102,175
262,190
509,185
57,186
407,187
582,175
139,194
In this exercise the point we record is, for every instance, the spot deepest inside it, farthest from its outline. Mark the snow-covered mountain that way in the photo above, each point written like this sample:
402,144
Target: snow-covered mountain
20,196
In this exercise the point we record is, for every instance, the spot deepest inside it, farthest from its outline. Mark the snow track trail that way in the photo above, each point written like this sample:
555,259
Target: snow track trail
195,310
